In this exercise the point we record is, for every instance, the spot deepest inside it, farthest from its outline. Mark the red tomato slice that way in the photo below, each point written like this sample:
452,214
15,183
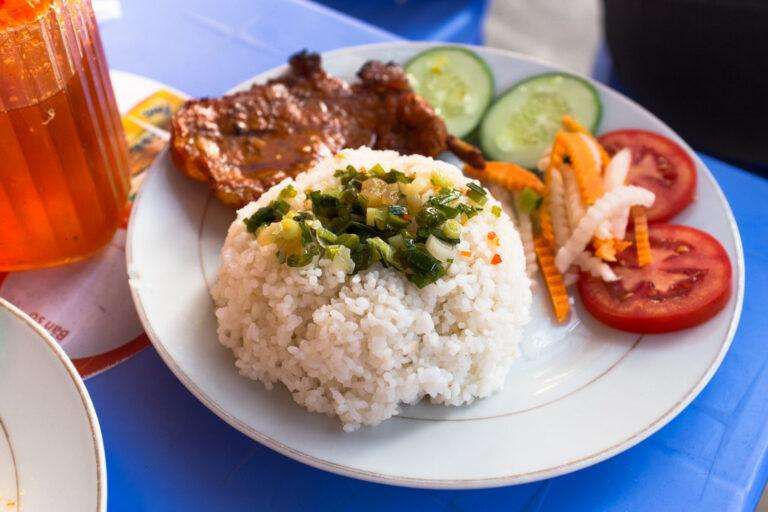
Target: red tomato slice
688,282
659,165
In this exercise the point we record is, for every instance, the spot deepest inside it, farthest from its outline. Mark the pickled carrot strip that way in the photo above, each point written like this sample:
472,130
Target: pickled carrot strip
552,277
642,239
604,249
604,156
545,223
510,176
556,155
620,245
572,125
587,170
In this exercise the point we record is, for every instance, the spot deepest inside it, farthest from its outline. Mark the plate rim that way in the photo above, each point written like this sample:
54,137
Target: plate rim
469,483
82,391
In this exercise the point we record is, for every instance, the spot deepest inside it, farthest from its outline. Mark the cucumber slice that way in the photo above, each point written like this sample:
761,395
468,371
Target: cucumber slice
521,124
456,82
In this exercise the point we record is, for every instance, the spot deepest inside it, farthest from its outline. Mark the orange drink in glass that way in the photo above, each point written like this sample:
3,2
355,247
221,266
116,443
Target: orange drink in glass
63,161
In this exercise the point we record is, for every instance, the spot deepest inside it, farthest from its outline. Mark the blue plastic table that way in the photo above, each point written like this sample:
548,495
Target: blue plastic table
167,452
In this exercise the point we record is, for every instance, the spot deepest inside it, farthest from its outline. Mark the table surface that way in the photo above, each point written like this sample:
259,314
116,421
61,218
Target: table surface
166,451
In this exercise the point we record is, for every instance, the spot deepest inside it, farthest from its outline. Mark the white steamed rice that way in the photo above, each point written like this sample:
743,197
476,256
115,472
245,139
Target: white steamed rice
359,346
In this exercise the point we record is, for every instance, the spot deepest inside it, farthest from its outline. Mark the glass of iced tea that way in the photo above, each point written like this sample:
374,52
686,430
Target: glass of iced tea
63,162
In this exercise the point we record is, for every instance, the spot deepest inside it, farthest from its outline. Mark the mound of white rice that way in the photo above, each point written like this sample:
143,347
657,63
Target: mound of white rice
358,346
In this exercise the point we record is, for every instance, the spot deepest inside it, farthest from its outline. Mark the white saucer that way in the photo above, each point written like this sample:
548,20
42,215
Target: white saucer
51,452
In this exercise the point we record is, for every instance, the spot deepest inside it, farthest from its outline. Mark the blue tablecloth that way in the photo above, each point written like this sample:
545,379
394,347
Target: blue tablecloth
167,452
458,21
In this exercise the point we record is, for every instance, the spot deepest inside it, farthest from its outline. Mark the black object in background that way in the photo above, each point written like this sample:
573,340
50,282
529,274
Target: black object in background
701,66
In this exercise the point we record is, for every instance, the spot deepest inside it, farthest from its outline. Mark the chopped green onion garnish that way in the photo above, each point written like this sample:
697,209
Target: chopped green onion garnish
342,259
477,193
426,268
377,217
304,259
324,205
397,241
528,200
396,222
430,216
382,251
438,179
302,216
348,240
469,211
361,257
378,171
358,222
397,216
496,211
333,191
266,215
331,251
438,248
394,176
452,229
370,216
326,235
290,230
288,192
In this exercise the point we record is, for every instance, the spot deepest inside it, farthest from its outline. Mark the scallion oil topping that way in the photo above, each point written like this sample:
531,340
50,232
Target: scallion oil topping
369,217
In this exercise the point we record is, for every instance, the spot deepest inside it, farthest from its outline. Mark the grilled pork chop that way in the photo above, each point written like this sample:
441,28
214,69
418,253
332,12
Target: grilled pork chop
244,143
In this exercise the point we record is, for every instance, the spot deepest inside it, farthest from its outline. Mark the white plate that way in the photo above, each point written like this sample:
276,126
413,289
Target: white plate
590,395
51,453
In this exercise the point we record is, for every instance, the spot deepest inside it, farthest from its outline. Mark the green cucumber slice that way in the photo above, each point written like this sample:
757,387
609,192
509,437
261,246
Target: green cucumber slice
456,82
521,124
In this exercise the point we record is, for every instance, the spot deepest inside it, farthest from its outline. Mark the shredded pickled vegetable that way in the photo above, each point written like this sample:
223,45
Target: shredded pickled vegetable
603,232
642,240
619,224
558,210
606,206
615,175
572,199
617,169
585,201
553,278
595,267
555,161
570,278
525,228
